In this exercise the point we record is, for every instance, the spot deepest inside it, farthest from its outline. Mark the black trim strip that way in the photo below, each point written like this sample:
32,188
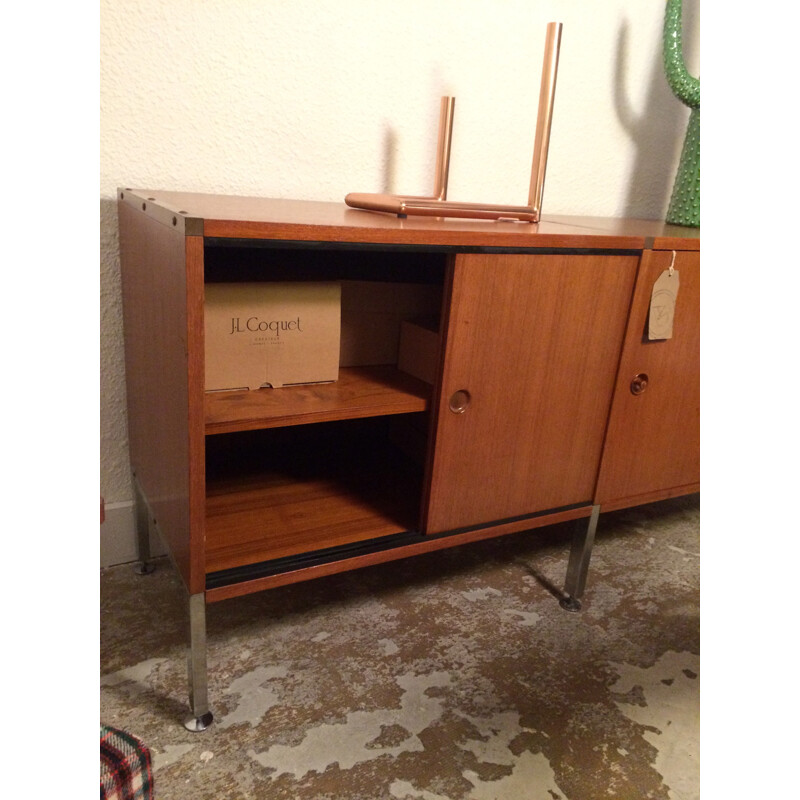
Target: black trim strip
265,569
291,244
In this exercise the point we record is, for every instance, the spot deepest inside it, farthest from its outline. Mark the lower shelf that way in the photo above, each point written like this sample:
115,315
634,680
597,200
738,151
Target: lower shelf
271,496
257,577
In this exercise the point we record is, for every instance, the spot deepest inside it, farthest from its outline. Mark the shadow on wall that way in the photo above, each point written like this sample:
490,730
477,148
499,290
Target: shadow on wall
389,160
115,476
656,133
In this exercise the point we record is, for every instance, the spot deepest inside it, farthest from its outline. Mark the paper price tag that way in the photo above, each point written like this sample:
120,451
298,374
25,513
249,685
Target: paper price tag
662,305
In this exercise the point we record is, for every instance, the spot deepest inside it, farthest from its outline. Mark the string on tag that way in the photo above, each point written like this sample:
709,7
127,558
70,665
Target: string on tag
672,265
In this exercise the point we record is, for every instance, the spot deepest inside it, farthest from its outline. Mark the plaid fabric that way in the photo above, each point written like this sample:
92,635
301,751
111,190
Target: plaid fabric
125,769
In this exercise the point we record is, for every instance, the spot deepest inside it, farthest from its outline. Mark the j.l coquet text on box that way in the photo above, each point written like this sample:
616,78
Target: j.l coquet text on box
271,334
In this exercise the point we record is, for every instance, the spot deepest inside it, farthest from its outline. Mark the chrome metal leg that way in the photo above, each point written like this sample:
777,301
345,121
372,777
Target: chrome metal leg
579,555
198,670
145,565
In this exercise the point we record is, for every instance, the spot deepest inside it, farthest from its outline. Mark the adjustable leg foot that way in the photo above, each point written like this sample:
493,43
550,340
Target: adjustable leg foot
579,555
201,716
570,604
198,724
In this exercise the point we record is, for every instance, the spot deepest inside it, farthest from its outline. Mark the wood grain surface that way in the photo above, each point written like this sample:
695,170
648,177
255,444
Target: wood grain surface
653,441
162,287
359,392
535,340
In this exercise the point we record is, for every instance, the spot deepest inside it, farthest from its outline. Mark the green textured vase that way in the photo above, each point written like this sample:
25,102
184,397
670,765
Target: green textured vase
684,205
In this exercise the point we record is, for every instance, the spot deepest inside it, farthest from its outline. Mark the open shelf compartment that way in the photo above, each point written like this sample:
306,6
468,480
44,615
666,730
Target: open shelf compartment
281,492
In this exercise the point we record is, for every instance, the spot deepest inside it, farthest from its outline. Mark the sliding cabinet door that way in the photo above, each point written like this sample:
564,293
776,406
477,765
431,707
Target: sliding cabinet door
532,347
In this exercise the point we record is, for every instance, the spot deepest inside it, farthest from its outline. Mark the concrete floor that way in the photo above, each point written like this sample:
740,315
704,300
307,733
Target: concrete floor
451,676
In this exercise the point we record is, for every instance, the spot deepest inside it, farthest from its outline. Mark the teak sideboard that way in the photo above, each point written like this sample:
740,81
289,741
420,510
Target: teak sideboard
548,401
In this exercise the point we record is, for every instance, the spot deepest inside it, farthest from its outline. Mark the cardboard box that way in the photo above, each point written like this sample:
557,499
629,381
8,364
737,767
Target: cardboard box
418,353
271,334
372,312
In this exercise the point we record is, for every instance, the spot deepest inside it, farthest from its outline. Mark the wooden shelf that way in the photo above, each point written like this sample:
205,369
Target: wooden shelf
359,392
267,499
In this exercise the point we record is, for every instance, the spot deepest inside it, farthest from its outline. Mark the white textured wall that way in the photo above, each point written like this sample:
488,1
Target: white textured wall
312,99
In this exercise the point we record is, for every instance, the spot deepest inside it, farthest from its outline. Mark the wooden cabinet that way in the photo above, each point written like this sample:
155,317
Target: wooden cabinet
525,421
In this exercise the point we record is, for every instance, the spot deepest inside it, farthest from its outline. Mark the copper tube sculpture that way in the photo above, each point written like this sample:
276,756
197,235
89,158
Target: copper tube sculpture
437,205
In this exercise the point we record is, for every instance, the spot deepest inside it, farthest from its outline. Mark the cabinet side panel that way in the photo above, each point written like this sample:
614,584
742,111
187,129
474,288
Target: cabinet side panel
653,440
194,345
154,285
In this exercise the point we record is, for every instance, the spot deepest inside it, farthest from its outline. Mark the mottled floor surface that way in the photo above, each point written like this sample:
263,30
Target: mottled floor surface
451,676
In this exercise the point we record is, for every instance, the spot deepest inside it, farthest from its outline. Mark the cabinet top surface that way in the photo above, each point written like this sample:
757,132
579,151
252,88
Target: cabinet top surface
228,216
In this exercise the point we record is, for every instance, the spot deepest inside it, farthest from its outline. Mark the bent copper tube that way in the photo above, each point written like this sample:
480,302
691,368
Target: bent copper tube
447,107
437,204
547,96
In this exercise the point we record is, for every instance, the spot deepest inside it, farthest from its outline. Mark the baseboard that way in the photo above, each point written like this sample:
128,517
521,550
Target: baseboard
118,536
